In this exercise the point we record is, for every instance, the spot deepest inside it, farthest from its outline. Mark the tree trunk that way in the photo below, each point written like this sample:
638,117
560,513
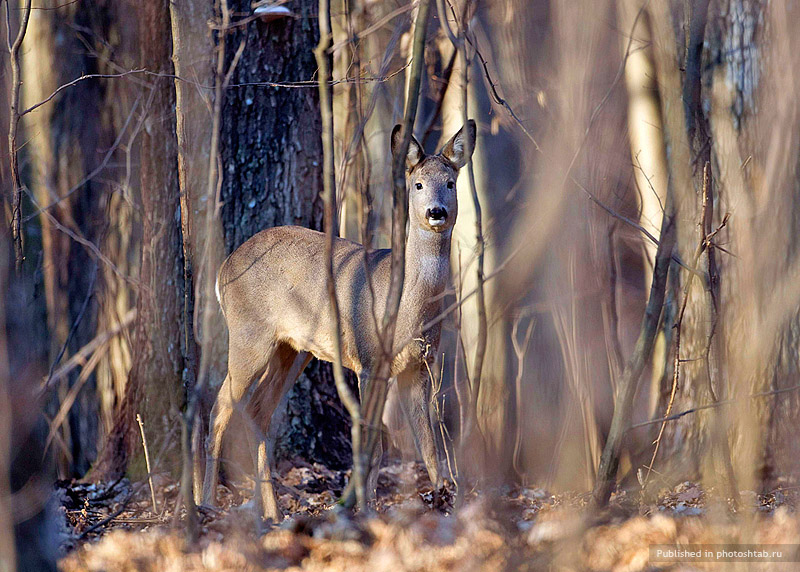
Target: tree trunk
747,101
121,230
271,150
154,387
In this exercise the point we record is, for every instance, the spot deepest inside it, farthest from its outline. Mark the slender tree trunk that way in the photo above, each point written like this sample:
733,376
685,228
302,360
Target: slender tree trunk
193,55
154,387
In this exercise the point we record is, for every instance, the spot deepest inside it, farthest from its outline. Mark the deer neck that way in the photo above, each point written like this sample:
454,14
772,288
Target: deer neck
427,264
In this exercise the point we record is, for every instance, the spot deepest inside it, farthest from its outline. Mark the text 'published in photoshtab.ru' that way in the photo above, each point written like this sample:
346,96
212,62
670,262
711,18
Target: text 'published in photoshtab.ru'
687,553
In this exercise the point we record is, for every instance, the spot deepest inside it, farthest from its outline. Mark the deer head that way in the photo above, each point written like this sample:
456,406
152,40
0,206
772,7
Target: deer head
431,179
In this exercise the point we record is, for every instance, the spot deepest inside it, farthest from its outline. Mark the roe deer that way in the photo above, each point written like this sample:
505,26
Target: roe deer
273,294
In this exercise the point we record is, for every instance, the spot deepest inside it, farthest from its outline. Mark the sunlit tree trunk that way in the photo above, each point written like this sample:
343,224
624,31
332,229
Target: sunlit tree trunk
648,154
193,55
493,398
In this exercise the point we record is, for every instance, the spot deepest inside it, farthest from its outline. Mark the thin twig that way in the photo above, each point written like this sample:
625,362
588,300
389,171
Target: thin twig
75,323
374,27
675,258
111,516
438,408
713,405
75,81
147,463
92,248
81,356
97,170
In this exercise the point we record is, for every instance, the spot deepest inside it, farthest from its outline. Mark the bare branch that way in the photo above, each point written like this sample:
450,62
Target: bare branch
80,357
632,223
76,81
713,405
374,27
641,355
13,125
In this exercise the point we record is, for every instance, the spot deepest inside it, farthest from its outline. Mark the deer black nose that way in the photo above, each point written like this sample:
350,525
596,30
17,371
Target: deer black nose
436,213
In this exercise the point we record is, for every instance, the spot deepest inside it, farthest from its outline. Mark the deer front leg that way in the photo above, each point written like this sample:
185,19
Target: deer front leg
414,392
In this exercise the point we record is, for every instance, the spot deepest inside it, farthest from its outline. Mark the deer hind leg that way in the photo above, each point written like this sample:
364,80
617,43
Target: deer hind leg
244,366
414,392
283,369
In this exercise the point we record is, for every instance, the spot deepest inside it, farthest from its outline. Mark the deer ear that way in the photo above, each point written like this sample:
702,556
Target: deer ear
415,152
455,149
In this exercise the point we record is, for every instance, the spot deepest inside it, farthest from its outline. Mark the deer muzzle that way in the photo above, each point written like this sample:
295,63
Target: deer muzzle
436,216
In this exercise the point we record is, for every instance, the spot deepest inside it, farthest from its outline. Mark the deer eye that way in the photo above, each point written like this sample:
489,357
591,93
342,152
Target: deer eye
419,186
450,184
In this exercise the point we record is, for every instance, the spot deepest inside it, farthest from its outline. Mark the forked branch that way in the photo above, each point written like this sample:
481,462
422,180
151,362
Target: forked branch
642,353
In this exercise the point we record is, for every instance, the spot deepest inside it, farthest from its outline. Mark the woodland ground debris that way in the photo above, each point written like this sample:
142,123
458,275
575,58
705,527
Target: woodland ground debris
511,528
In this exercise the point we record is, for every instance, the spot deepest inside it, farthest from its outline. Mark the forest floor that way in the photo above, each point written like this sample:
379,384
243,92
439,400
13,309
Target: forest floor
513,529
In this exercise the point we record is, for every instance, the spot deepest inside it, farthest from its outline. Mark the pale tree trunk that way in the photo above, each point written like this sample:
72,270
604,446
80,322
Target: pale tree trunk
648,154
770,187
193,56
493,398
276,179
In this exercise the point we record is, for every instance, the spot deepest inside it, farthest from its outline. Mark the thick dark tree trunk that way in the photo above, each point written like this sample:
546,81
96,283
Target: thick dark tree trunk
154,387
272,167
